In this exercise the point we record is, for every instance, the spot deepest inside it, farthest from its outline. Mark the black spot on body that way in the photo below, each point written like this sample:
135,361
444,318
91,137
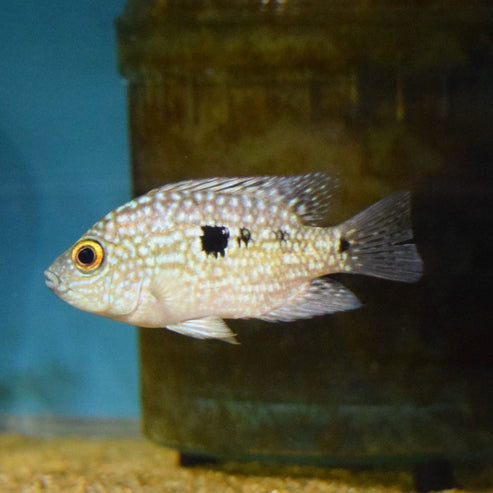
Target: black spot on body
344,245
281,235
214,240
245,237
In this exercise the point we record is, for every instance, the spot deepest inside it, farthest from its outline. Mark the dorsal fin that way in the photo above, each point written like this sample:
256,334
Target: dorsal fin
307,195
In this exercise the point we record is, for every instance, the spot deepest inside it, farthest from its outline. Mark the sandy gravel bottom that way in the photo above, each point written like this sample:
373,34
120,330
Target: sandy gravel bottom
112,465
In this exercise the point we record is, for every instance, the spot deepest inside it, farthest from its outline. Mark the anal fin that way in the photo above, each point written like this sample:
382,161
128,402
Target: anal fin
205,328
320,297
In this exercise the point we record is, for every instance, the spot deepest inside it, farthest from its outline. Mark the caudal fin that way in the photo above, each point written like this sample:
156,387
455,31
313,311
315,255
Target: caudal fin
377,241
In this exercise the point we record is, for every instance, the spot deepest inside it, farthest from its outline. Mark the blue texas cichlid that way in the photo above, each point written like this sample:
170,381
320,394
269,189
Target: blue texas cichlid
186,256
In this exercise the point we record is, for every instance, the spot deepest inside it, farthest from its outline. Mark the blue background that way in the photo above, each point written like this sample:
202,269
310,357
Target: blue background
63,164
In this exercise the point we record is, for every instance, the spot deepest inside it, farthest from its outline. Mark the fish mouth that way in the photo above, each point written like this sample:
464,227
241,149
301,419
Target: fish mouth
51,279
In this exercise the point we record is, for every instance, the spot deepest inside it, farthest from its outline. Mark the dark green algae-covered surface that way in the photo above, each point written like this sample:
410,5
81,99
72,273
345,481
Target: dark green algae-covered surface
384,96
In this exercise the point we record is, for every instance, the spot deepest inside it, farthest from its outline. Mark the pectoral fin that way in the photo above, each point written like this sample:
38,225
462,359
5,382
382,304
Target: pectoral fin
205,328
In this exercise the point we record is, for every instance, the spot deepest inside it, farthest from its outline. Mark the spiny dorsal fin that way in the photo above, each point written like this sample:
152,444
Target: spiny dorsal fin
307,195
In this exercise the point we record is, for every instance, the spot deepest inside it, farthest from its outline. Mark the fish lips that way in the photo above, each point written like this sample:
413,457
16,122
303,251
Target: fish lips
52,280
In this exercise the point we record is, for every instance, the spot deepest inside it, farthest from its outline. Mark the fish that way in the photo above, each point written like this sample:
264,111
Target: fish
188,255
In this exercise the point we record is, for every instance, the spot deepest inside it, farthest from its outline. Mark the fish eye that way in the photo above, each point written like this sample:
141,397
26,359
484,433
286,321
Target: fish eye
87,255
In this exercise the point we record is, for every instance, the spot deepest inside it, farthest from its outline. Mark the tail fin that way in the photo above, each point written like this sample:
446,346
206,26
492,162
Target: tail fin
377,241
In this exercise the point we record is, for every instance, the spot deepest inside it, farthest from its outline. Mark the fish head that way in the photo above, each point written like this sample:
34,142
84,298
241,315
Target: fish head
96,275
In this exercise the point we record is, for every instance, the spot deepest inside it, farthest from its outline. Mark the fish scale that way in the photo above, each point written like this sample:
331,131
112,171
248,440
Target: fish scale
186,256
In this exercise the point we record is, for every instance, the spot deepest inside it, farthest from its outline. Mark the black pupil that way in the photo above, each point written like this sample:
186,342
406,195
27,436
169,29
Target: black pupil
86,255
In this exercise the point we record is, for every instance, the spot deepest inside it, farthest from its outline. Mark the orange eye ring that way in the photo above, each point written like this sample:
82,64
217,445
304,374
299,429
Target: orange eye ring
87,255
